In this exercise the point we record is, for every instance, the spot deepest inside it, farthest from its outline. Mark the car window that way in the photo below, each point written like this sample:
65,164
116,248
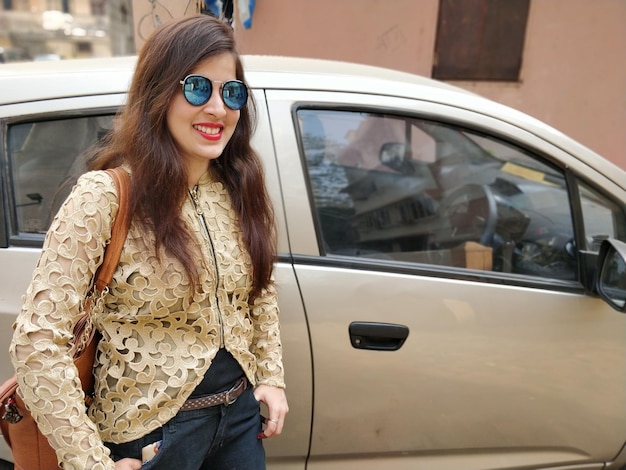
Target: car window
413,190
46,158
602,217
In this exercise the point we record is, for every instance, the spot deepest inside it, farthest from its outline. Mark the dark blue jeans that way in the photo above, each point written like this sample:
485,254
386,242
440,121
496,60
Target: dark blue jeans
216,438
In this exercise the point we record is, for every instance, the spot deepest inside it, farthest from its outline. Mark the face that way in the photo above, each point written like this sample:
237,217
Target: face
202,132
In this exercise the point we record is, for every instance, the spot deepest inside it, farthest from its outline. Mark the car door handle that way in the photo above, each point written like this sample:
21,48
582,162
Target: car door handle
377,336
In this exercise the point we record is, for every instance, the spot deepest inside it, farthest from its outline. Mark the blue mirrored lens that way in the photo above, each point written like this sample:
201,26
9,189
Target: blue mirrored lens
197,89
235,94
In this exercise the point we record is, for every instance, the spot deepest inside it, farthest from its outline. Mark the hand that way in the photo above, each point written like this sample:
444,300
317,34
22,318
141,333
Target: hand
276,402
128,464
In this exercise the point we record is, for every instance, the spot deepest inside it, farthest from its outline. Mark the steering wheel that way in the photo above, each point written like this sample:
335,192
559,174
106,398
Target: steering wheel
469,213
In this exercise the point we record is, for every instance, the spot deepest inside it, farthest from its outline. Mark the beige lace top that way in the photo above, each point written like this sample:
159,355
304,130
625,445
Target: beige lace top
159,337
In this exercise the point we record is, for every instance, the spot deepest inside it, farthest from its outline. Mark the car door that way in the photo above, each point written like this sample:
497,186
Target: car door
45,148
438,254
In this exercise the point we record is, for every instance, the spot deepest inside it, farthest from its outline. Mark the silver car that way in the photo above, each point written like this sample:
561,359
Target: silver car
451,272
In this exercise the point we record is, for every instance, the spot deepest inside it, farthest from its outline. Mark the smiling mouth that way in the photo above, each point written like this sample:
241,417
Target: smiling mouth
208,130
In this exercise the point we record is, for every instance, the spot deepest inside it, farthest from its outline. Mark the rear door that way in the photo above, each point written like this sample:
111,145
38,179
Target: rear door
436,252
44,149
45,146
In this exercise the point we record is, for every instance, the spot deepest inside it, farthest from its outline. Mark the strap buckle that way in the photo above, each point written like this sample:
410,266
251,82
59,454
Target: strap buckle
231,395
228,399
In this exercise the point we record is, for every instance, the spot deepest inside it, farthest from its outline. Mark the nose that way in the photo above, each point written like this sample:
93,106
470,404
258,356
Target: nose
215,105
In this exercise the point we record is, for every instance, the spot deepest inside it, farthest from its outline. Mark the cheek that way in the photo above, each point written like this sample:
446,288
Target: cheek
177,118
179,109
171,116
233,122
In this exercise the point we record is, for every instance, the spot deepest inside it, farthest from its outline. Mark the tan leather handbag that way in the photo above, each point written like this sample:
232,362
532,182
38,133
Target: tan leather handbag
29,447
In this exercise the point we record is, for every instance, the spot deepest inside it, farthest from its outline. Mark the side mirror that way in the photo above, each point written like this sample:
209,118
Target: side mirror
611,273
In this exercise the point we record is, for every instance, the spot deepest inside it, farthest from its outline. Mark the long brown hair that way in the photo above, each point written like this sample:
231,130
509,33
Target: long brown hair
141,140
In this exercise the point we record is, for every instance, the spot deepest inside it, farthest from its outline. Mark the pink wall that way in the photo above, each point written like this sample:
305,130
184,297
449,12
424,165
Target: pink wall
398,34
573,71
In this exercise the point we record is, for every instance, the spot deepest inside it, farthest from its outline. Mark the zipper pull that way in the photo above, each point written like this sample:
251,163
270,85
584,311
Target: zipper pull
196,200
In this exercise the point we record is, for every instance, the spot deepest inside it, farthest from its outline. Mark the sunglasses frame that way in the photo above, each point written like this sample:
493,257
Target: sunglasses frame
221,88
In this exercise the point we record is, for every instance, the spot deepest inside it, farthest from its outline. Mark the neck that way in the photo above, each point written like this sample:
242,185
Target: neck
194,175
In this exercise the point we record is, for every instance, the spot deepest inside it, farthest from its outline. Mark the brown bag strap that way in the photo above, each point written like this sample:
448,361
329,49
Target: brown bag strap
119,229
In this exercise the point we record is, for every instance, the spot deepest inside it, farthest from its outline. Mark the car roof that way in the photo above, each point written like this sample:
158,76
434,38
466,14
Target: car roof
112,75
316,69
34,81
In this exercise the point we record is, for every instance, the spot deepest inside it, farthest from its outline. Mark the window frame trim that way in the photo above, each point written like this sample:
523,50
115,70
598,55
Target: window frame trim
398,267
10,236
587,259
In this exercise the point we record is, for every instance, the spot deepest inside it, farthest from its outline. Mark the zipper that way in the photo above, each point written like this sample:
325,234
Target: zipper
193,193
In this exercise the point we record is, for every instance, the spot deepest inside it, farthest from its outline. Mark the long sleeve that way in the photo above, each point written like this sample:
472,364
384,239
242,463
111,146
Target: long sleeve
268,346
48,380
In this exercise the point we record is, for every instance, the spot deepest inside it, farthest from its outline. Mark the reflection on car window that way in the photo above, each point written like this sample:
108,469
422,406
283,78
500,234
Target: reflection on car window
46,158
412,190
602,218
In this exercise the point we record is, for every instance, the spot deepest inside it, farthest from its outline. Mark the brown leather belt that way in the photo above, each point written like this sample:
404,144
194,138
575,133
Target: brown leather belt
226,398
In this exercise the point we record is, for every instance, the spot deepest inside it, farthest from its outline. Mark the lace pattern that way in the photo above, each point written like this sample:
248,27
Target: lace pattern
159,337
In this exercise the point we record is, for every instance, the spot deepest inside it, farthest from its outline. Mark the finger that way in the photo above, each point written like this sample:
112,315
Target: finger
274,427
271,425
128,464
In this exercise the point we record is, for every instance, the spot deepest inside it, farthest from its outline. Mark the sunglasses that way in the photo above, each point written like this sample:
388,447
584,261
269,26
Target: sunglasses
198,89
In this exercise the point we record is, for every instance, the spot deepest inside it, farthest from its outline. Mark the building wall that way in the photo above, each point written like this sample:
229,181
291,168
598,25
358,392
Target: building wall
122,27
573,73
28,28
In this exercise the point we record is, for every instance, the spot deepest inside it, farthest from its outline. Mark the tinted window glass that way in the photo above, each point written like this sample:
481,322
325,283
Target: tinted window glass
46,157
602,217
404,189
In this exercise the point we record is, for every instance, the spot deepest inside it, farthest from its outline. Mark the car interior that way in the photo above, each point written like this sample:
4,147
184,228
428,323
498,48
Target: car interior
419,191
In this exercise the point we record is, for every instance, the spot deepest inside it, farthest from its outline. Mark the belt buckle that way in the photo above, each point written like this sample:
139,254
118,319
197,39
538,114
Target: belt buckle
232,395
228,399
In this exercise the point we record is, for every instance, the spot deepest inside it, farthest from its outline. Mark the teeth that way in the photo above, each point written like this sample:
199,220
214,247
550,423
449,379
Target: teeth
208,130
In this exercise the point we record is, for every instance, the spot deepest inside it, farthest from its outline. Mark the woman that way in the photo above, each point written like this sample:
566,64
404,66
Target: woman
191,310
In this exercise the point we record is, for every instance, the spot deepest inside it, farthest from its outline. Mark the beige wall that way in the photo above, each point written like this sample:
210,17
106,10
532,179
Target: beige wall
574,72
574,66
